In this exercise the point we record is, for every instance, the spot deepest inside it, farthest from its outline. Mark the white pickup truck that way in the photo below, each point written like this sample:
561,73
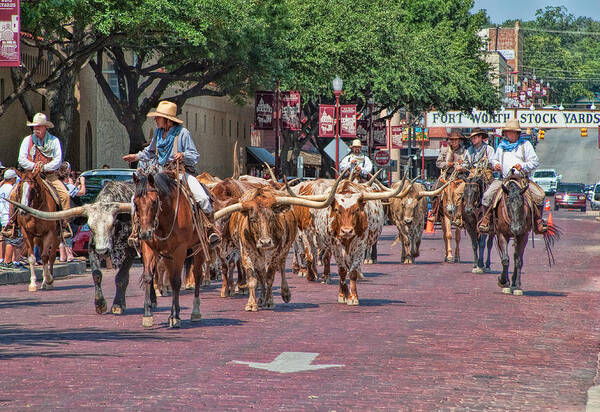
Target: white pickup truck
548,179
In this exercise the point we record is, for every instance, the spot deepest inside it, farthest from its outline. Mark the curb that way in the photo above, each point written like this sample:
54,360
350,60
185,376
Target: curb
61,270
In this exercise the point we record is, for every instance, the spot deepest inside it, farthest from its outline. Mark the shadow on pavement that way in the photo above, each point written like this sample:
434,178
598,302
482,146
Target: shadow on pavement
290,307
207,322
380,302
9,303
544,293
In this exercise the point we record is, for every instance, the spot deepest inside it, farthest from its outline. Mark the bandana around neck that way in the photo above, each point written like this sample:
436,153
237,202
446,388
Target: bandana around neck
164,144
510,147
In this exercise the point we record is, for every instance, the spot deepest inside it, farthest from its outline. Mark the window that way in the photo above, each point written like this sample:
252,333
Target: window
229,127
215,125
237,130
204,124
43,103
196,121
1,89
187,123
112,79
222,127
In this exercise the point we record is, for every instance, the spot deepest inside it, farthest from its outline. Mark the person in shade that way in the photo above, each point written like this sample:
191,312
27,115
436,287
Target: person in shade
172,143
357,160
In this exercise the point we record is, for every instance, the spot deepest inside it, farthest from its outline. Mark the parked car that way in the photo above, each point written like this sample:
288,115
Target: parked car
595,202
81,240
570,195
548,180
95,180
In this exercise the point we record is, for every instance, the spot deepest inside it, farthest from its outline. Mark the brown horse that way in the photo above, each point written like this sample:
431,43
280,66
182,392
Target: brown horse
33,192
450,203
471,213
170,231
514,218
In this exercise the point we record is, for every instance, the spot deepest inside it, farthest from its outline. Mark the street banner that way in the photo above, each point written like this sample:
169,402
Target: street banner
379,133
290,110
550,118
538,87
522,96
362,131
326,120
396,137
529,93
10,40
348,120
544,91
264,107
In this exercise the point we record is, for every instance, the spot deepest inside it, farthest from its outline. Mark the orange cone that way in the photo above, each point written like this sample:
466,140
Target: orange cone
547,205
550,222
429,227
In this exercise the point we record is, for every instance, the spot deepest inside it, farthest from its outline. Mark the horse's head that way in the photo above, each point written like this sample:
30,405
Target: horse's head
29,187
149,189
472,195
452,197
515,206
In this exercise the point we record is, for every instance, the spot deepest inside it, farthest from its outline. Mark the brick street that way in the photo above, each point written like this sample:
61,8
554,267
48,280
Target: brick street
430,336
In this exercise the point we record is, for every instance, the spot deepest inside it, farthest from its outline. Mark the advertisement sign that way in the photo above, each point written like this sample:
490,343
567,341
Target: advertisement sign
10,53
379,133
527,118
396,137
326,120
362,131
290,110
264,107
348,120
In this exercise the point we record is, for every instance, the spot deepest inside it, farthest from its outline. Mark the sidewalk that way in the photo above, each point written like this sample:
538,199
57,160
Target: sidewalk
61,270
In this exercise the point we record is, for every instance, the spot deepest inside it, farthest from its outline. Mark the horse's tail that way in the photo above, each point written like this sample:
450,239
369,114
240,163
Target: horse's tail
551,236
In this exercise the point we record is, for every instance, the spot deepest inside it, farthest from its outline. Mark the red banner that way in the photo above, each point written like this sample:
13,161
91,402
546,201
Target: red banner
348,120
326,120
379,133
538,87
529,93
10,53
522,96
264,108
396,137
290,110
544,91
362,131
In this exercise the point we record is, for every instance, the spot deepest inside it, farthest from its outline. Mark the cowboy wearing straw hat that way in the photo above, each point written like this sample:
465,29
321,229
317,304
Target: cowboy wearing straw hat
356,159
479,152
171,143
450,157
514,153
41,151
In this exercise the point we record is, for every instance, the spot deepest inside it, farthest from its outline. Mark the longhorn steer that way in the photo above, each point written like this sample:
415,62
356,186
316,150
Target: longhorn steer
408,214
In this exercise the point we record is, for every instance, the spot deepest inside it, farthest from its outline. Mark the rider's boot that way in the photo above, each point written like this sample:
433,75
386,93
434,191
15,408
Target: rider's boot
134,240
214,238
484,223
540,226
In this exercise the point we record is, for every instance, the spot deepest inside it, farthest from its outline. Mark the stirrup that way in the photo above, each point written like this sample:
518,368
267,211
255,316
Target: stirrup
213,240
483,228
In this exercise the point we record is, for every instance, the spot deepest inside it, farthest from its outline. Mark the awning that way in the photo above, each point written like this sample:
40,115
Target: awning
310,159
260,155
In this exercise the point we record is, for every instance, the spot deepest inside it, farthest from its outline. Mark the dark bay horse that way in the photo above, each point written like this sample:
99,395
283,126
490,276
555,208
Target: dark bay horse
169,231
32,191
472,209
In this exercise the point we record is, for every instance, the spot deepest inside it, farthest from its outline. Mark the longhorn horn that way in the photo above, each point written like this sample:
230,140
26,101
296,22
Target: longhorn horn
40,214
373,178
123,207
227,210
307,202
273,178
432,193
288,188
236,163
399,192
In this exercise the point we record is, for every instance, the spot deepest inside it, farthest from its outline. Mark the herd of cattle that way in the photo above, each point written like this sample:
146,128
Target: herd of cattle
260,222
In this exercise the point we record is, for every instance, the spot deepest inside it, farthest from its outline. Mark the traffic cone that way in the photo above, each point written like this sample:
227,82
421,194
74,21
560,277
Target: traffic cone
547,205
429,227
550,223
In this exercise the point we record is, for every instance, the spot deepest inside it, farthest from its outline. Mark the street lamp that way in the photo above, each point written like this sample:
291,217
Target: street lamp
337,85
561,107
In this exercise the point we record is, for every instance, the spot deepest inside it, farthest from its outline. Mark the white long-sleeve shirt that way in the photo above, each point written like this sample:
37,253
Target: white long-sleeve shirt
524,155
360,160
55,153
474,155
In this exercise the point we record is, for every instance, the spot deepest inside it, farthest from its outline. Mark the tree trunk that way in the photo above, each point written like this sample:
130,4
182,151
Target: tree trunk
62,105
135,132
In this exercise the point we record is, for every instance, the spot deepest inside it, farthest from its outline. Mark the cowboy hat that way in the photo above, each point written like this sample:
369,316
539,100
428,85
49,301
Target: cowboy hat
9,174
355,143
40,120
477,131
512,125
455,134
167,110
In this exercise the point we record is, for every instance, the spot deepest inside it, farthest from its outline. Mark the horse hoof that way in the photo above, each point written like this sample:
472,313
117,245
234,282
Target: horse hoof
251,307
32,288
174,323
47,286
286,297
117,310
101,307
189,286
352,301
477,270
154,305
206,282
342,299
269,306
518,292
196,317
506,290
147,321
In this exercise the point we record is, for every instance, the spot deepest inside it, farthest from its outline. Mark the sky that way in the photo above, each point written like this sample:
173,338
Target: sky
502,10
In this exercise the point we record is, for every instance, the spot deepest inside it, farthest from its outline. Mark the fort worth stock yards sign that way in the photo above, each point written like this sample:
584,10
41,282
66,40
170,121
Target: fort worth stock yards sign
527,118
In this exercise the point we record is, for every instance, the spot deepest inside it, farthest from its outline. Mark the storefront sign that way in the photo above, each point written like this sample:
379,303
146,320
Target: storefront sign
527,118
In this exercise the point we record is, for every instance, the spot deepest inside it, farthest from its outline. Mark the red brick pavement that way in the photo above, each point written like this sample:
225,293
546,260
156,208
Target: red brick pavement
426,337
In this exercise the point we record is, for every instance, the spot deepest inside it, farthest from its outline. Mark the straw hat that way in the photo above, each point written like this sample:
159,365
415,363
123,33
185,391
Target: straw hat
456,134
512,125
167,110
40,120
478,131
355,143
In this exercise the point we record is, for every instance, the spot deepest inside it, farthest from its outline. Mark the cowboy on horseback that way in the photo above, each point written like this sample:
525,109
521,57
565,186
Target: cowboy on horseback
451,158
172,143
479,154
357,160
514,154
41,152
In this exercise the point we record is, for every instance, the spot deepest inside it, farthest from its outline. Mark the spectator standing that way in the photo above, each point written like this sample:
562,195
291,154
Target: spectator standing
9,258
75,189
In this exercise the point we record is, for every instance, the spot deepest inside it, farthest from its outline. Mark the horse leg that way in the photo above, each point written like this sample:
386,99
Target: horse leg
447,233
286,294
503,281
196,315
475,246
520,244
353,297
490,244
343,293
99,301
150,267
189,272
457,245
121,283
49,277
480,249
174,266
